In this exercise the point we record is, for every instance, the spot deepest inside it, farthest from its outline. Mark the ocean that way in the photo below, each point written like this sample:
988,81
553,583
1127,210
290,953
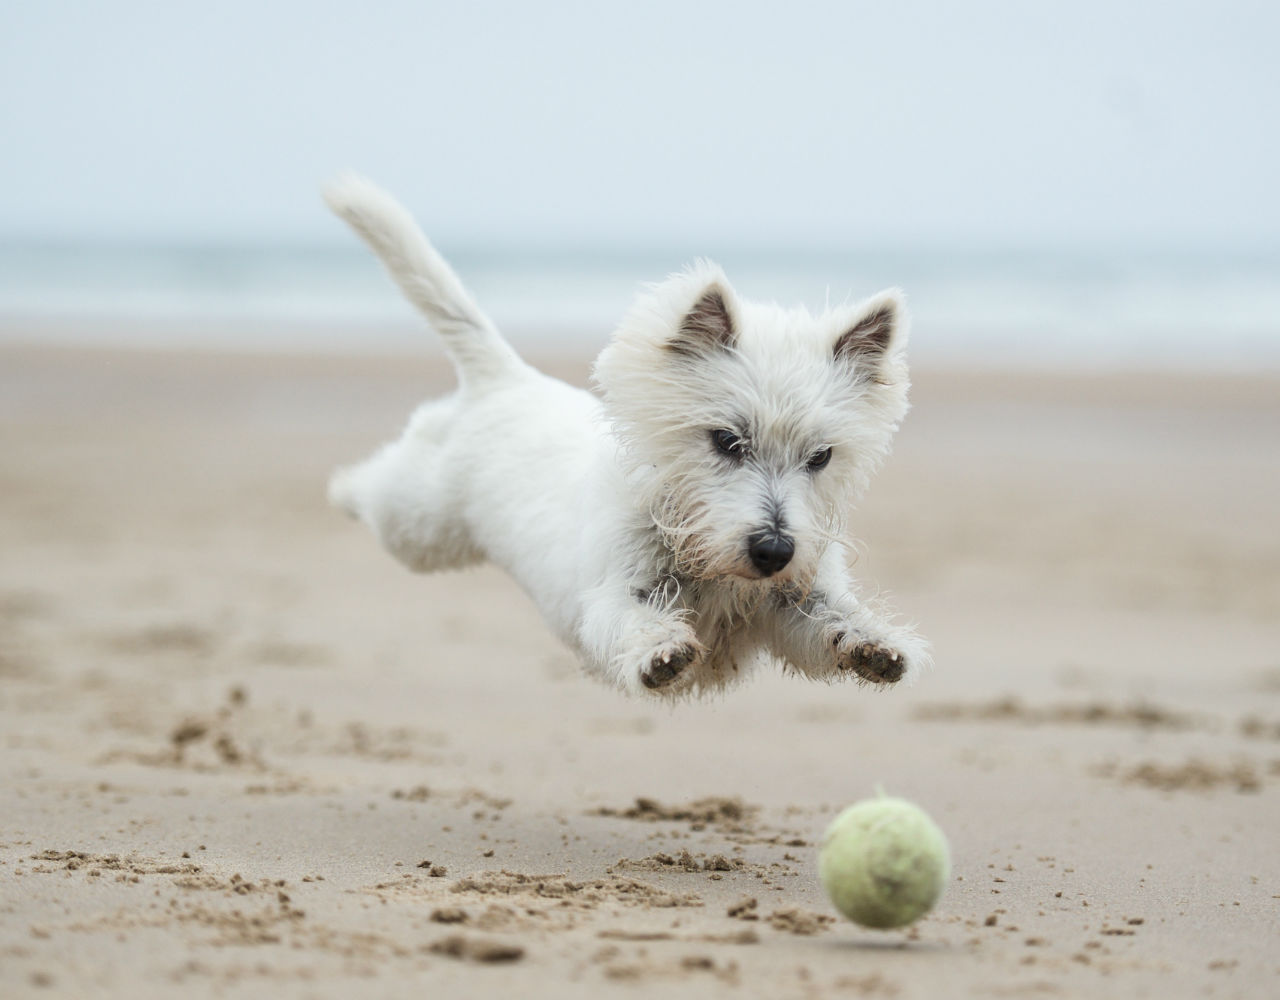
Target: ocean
1160,309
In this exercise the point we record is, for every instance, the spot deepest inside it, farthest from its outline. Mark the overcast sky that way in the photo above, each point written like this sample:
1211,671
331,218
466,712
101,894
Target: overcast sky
1145,122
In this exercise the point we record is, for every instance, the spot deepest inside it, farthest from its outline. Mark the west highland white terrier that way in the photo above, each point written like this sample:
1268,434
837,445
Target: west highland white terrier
690,522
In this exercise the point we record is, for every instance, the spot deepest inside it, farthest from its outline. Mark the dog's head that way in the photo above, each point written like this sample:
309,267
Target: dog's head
751,430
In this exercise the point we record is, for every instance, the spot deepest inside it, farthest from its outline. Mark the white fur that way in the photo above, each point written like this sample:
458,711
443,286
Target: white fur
618,514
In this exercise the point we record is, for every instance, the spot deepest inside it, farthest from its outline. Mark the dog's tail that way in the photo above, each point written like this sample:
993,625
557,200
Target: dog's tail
386,226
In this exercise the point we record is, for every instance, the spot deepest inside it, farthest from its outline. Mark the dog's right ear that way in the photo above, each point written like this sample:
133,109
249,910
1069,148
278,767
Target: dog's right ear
708,326
875,330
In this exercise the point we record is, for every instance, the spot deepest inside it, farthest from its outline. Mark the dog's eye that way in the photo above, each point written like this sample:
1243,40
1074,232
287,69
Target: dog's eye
819,459
728,443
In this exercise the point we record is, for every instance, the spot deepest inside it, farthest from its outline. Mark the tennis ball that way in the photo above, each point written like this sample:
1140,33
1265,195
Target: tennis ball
884,862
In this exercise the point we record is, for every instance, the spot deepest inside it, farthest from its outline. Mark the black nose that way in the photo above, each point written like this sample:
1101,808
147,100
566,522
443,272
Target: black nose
769,553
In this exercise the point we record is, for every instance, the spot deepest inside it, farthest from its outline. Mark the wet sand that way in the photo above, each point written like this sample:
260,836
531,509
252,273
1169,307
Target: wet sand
245,753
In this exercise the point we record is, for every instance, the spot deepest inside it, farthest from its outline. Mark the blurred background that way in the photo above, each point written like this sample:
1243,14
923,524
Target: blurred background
1084,185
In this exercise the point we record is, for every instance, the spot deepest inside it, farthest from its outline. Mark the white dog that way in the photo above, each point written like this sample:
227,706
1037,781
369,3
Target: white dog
685,527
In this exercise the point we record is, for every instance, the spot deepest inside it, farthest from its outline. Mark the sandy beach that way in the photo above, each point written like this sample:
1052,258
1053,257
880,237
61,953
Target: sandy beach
247,754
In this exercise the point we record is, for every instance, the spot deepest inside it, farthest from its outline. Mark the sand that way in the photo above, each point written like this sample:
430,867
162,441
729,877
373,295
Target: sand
244,753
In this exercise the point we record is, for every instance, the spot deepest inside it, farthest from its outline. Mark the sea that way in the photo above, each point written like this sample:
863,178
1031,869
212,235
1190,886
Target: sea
1102,309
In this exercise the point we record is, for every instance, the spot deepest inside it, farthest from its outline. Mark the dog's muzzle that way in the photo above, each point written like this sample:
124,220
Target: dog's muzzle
770,552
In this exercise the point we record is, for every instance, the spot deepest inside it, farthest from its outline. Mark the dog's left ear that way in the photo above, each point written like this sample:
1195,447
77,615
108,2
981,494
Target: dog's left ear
708,325
873,332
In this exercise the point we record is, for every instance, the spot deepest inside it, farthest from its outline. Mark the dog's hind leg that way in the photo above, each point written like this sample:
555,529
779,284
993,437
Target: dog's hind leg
401,496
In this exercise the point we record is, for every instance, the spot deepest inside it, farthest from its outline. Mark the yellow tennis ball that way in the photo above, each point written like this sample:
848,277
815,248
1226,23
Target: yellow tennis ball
884,862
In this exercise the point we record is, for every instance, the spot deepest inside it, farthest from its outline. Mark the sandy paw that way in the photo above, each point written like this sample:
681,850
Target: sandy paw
666,666
873,662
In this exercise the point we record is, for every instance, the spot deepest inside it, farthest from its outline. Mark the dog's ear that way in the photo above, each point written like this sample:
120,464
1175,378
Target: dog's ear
709,325
873,332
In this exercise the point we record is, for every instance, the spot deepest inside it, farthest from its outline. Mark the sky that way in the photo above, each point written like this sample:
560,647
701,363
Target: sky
1093,122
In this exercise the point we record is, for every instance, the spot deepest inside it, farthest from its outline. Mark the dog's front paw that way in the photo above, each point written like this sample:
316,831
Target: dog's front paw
667,664
871,661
